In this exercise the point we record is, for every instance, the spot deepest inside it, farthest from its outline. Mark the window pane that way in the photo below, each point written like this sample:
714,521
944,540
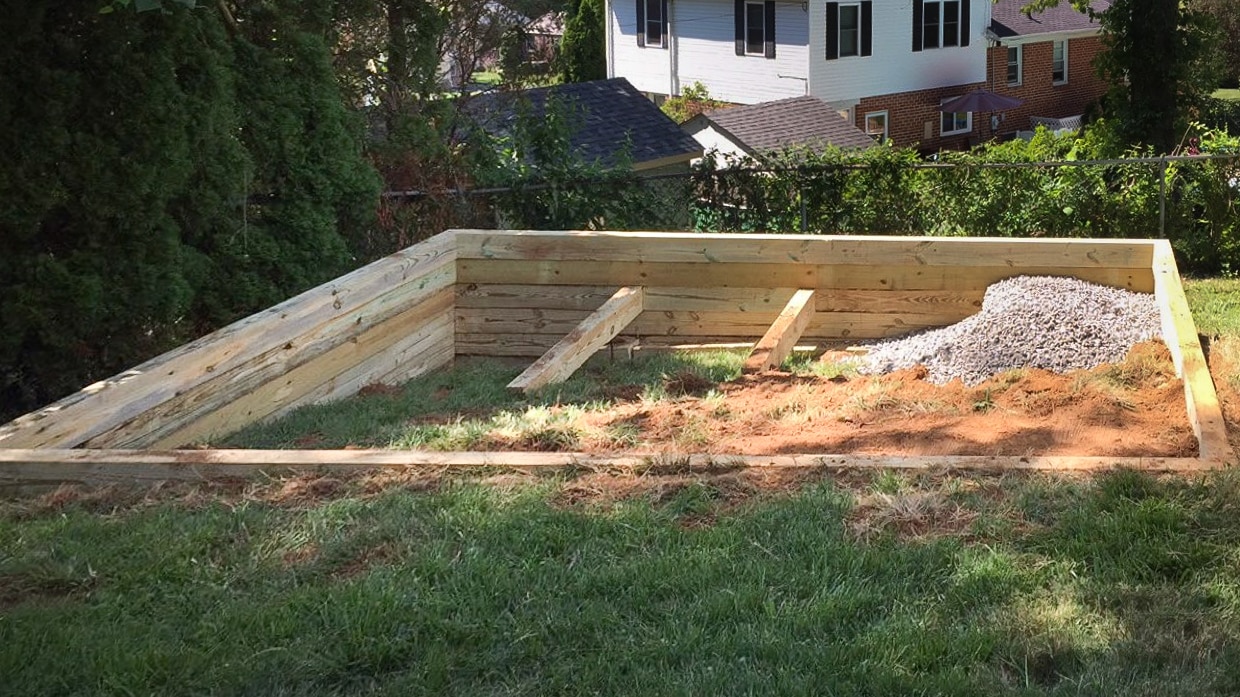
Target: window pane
876,125
951,23
930,25
755,34
1013,65
1058,64
654,21
850,24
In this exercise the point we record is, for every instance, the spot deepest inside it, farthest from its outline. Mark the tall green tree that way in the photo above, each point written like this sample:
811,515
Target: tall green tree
583,49
165,172
1160,62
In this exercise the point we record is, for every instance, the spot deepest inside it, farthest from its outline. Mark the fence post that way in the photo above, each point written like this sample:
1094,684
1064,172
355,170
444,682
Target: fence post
1162,197
804,214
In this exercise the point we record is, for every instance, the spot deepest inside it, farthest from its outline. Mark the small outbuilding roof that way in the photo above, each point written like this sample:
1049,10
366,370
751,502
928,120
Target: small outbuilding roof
611,119
770,126
1007,20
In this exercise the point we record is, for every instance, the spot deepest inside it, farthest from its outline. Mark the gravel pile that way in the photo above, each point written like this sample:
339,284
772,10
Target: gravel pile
1058,324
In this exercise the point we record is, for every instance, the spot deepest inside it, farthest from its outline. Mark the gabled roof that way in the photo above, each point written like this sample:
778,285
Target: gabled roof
610,118
770,126
1006,19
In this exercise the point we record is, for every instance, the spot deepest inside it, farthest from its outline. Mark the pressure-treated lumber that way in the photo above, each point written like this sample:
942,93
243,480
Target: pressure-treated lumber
756,275
563,359
494,296
777,343
1204,413
47,466
104,406
864,250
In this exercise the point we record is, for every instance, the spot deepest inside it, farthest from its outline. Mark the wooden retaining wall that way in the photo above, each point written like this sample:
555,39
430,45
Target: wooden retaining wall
386,322
520,292
472,292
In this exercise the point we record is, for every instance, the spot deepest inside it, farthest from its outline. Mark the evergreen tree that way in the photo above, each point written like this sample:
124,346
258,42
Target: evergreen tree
583,50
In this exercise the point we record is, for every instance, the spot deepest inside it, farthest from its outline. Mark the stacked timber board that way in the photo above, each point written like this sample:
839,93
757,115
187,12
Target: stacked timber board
510,293
520,292
386,322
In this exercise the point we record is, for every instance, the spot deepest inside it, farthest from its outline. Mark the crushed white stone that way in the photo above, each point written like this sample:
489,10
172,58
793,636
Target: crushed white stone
1053,323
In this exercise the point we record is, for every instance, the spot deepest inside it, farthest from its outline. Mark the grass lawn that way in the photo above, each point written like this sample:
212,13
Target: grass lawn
1232,94
728,582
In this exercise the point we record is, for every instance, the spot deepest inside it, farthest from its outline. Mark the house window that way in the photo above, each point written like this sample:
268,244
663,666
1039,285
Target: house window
755,28
652,23
1059,62
1013,66
940,23
876,125
848,29
953,123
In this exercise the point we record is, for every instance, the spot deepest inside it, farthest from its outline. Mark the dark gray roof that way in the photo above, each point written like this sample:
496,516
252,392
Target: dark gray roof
1006,19
608,118
799,121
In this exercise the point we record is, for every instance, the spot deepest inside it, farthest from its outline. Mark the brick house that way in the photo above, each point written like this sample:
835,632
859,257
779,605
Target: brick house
886,65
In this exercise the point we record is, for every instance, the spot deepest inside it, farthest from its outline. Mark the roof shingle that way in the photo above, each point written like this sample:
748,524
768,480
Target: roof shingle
799,121
609,118
1006,19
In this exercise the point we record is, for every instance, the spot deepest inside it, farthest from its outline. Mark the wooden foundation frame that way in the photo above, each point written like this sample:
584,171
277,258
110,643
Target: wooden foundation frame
560,296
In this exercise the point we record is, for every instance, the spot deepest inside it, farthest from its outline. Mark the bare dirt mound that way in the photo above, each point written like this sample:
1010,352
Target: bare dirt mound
1132,408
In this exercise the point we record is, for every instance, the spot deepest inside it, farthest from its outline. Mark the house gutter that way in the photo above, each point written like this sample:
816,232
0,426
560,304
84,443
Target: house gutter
609,40
673,50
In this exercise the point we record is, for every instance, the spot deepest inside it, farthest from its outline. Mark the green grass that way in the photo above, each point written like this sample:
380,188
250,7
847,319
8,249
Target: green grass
882,583
487,77
483,409
1215,303
1022,585
1231,94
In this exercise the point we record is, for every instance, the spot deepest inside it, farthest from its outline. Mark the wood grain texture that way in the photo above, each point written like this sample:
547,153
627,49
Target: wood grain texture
103,406
865,250
95,467
740,326
154,424
337,373
758,275
1180,334
582,341
590,297
781,337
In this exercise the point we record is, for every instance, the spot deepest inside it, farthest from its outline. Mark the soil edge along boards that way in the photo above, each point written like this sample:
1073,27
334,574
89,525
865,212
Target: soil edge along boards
518,293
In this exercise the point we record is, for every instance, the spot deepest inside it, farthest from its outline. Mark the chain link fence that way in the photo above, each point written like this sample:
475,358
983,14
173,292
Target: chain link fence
1191,200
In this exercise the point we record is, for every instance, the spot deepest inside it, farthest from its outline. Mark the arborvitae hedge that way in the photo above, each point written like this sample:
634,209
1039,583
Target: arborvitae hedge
162,174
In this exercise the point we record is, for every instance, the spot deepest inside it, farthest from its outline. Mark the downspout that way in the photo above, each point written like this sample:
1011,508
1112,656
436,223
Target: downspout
673,49
610,40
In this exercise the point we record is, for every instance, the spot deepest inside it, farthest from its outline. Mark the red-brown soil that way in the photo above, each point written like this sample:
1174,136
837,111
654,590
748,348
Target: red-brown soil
1134,408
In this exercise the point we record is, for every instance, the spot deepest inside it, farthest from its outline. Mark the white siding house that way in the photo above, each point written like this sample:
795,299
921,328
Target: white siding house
700,46
952,58
844,52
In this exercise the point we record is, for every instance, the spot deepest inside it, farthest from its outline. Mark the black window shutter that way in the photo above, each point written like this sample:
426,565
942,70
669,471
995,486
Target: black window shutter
916,25
964,22
739,8
833,30
867,14
641,22
769,21
663,9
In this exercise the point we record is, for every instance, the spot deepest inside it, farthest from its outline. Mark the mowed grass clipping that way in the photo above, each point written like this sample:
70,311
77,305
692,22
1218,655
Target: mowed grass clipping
655,582
889,584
